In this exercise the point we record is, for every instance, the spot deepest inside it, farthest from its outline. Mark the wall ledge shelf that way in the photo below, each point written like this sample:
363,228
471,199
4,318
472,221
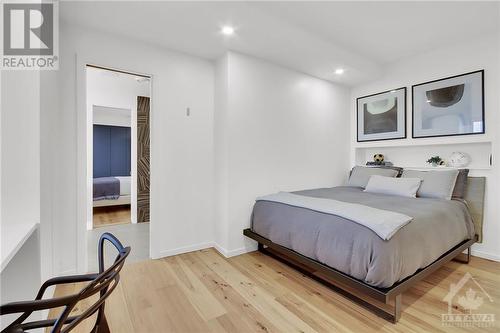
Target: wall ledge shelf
420,142
13,238
412,167
413,155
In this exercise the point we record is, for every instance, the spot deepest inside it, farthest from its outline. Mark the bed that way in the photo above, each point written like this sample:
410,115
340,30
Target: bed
111,191
352,257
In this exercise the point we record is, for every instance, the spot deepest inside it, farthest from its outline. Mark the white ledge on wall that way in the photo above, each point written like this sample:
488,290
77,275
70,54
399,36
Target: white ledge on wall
13,238
449,140
414,154
471,167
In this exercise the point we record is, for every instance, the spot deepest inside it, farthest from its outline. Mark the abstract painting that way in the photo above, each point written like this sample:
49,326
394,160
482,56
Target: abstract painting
382,116
449,106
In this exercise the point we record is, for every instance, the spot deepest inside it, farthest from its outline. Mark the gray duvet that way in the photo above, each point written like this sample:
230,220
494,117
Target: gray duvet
437,226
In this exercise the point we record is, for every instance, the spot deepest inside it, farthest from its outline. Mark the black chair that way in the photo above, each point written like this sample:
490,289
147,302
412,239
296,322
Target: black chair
103,283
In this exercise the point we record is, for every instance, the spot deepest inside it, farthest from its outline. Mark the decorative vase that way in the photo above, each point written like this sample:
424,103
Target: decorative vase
458,160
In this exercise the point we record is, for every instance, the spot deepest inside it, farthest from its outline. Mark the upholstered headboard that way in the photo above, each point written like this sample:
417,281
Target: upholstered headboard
474,195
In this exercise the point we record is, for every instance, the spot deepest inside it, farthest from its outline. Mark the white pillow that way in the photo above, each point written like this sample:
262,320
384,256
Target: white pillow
404,187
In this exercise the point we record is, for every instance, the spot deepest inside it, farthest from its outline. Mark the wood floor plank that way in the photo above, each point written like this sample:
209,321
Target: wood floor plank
241,313
260,299
204,292
117,302
111,215
204,302
315,293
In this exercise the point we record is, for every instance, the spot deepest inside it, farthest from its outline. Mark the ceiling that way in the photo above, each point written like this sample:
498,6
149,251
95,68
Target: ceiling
311,37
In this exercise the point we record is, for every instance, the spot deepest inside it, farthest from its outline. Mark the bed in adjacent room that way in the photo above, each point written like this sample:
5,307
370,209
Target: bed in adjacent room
111,191
111,165
378,235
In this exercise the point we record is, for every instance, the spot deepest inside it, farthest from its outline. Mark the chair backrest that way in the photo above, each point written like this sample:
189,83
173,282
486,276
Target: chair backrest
104,284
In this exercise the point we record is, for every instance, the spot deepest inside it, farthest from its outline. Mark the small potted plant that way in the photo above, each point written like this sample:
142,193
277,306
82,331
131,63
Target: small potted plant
436,161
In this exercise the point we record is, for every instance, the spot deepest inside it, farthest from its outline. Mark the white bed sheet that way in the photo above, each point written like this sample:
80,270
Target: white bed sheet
125,185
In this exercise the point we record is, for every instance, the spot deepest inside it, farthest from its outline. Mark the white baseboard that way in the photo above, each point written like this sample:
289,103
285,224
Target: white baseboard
485,255
196,247
236,252
183,249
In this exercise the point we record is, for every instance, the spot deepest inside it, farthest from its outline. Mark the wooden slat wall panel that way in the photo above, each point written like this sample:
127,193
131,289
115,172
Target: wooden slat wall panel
143,160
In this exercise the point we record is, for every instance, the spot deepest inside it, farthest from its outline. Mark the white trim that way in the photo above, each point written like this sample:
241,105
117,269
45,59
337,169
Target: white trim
84,157
203,246
220,249
83,215
485,255
236,252
184,249
133,160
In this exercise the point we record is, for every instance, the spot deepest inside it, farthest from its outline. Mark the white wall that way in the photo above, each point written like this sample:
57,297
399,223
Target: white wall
221,179
49,104
113,89
20,279
20,185
20,150
111,116
281,131
181,146
107,90
451,60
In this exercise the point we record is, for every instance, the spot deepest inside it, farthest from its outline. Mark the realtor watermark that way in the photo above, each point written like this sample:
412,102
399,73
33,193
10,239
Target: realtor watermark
465,299
30,36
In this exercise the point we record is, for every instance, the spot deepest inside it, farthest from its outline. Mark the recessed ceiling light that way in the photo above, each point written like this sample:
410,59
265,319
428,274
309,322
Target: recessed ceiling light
339,71
227,30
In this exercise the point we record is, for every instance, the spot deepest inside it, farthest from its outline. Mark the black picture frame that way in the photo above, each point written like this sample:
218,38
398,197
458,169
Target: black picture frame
403,114
482,105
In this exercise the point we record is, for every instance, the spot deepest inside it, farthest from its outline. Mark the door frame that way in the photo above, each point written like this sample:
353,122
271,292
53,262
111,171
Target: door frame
84,148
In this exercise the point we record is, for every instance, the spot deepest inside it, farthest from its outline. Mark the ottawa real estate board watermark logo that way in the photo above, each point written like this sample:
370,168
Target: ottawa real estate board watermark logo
467,301
30,36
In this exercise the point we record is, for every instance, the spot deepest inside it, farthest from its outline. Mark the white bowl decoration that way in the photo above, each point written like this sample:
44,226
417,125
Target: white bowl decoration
458,159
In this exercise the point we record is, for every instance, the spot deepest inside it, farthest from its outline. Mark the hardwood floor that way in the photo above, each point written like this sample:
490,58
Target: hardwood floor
204,292
111,215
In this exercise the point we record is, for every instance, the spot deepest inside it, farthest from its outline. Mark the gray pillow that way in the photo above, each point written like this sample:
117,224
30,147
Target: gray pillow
461,184
435,184
360,175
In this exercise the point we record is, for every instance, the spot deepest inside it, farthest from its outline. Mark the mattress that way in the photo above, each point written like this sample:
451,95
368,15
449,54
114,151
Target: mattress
106,188
437,226
125,185
111,188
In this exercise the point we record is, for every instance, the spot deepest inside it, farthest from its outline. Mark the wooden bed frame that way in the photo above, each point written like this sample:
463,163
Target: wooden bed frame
358,290
349,286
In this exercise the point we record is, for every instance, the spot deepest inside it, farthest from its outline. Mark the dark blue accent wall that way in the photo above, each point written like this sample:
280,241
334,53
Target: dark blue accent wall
111,151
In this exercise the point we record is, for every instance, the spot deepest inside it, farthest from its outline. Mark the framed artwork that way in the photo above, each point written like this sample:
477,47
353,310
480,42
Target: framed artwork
449,106
382,116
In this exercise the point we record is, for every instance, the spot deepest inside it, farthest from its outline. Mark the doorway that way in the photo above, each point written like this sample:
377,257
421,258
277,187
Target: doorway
118,161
